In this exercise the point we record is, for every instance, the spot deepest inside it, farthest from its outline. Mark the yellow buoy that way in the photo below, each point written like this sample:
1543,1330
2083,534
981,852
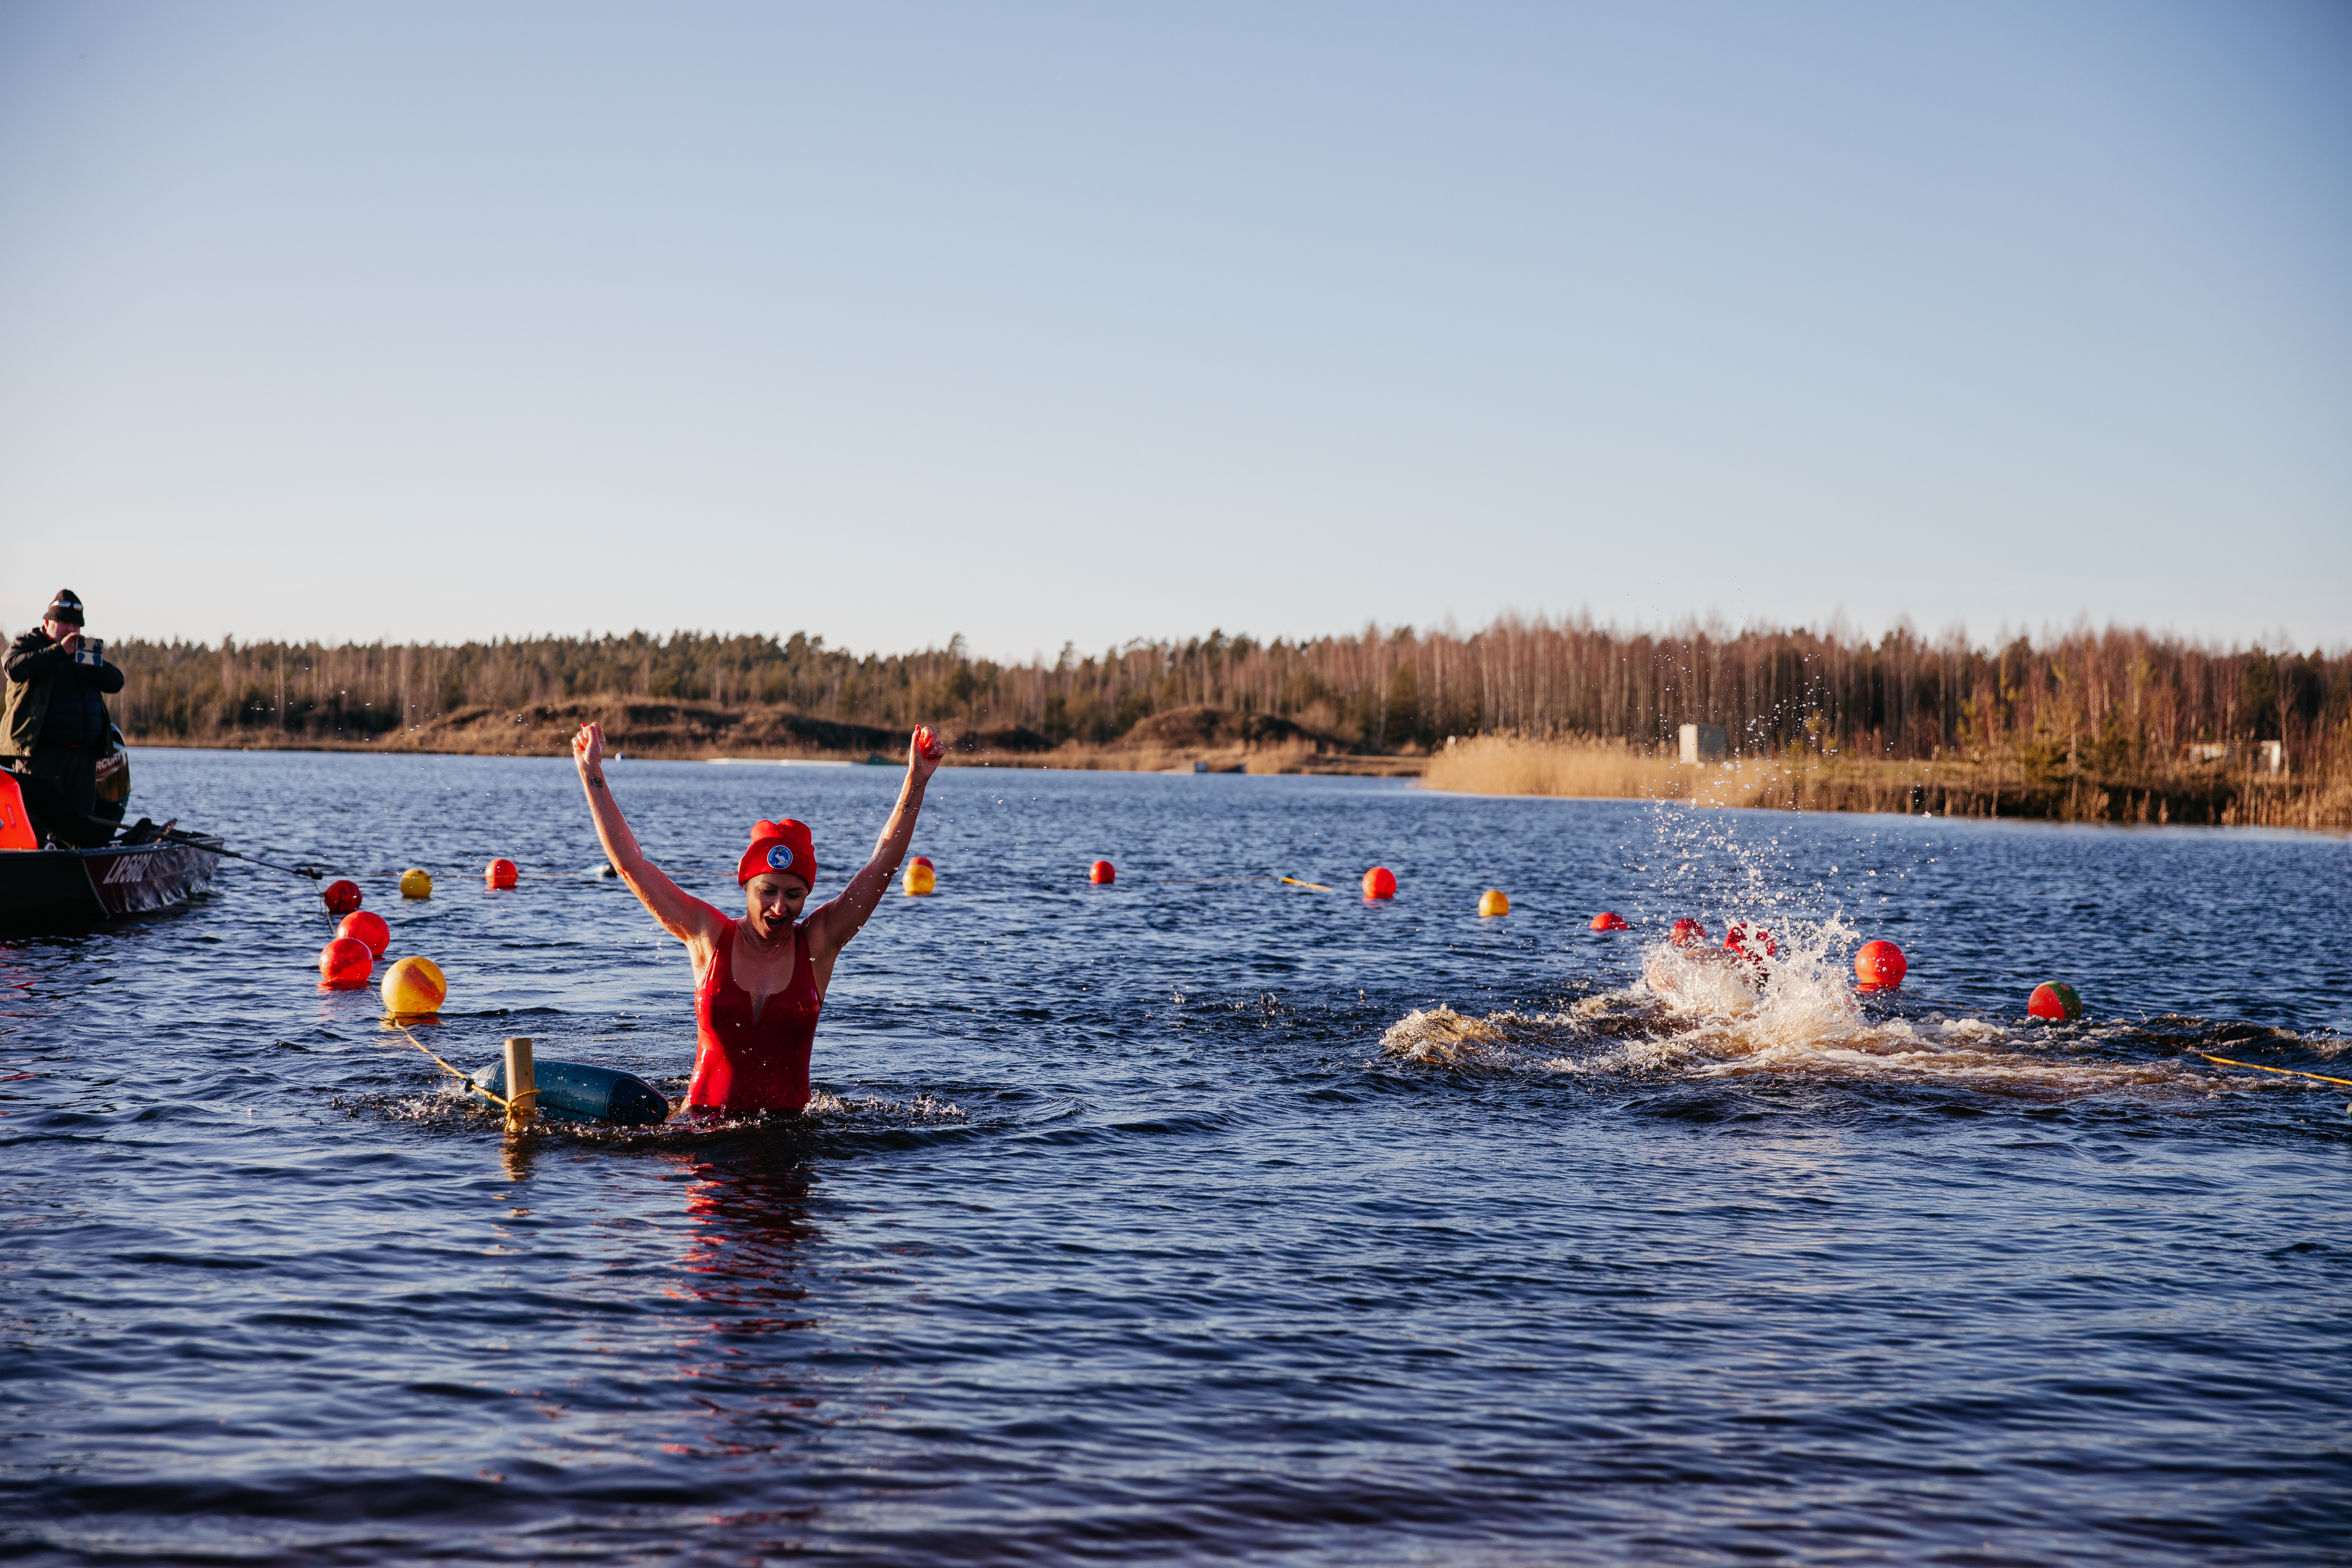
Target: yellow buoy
920,877
415,884
414,985
1493,902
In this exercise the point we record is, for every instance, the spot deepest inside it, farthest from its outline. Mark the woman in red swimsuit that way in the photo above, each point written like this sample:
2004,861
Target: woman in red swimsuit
758,981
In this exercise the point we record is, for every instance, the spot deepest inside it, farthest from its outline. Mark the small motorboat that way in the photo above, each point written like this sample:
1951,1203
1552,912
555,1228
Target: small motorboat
68,886
74,887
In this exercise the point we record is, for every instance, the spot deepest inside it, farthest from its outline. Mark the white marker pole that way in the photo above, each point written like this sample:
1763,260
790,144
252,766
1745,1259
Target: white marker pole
520,1081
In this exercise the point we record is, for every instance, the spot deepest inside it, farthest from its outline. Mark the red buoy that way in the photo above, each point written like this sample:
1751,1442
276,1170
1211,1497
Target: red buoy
1379,882
1687,932
344,964
500,873
367,927
2054,999
1880,967
1102,871
341,897
1609,919
1753,944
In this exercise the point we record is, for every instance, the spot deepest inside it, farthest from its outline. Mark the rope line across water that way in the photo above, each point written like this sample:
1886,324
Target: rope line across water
2291,1072
502,1101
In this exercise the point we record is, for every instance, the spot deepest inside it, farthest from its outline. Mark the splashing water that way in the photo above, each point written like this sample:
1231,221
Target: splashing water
1788,1003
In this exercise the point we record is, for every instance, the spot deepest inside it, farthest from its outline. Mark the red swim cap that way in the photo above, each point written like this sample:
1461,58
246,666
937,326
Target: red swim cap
781,846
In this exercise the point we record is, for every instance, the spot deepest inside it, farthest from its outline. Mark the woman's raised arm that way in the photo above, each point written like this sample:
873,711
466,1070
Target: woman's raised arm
687,918
832,926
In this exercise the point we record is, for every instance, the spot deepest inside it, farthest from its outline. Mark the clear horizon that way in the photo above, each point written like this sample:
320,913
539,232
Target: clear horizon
1045,325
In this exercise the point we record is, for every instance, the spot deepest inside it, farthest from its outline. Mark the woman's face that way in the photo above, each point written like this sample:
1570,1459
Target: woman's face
772,902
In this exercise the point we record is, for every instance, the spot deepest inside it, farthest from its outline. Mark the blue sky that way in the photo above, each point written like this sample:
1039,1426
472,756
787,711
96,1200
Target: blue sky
1043,323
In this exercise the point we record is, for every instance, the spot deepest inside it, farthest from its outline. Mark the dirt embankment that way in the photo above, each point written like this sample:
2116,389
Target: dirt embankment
1220,739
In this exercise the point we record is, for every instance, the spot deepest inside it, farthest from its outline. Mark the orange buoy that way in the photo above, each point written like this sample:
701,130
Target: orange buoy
1880,967
500,873
341,897
920,877
1379,882
344,964
2054,999
1753,944
1609,919
1493,901
1102,871
366,926
414,986
1687,932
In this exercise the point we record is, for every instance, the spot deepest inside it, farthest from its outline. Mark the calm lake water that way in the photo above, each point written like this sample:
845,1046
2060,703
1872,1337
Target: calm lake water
1189,1217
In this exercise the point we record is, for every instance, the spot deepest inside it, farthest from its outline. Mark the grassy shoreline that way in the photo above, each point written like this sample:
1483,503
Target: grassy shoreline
1502,765
1998,786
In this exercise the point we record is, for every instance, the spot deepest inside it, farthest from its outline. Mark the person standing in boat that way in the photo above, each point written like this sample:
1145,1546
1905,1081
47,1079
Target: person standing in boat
760,979
55,725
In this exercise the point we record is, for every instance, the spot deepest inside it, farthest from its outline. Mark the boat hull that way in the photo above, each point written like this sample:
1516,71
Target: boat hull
79,887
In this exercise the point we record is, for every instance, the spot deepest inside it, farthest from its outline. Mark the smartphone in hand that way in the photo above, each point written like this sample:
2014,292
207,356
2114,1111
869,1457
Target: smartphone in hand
92,650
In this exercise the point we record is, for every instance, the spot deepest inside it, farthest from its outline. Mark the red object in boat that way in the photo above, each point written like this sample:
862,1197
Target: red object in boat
1880,967
16,826
345,963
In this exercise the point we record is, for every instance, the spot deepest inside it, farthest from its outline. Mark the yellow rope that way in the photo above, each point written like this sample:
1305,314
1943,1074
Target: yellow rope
1317,886
2258,1067
467,1078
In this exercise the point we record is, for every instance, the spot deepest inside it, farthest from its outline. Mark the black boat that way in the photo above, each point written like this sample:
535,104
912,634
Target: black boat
76,887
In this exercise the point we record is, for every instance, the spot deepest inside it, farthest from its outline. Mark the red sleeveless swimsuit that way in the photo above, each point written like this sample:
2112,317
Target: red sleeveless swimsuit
746,1063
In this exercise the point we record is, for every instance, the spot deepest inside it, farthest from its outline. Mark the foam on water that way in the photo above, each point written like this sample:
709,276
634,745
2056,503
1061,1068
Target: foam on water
1699,1012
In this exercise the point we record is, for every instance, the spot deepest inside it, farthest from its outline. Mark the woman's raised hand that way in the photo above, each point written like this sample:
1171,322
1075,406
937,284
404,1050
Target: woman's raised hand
924,750
588,749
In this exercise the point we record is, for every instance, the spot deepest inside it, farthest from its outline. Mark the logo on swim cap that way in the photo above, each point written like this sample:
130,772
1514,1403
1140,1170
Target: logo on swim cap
779,858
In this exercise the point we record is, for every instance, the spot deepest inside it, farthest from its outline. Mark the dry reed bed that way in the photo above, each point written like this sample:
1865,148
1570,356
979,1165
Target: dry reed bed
1612,770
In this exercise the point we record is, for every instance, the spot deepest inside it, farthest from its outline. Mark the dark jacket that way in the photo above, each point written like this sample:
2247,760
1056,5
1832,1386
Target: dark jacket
52,700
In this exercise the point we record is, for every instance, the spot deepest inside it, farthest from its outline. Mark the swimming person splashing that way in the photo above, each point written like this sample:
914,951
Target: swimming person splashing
758,981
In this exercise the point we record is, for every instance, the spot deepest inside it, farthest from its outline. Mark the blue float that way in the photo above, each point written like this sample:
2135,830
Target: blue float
574,1091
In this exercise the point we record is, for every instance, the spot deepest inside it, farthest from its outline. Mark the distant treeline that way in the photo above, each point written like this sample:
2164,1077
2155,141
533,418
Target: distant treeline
2114,699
